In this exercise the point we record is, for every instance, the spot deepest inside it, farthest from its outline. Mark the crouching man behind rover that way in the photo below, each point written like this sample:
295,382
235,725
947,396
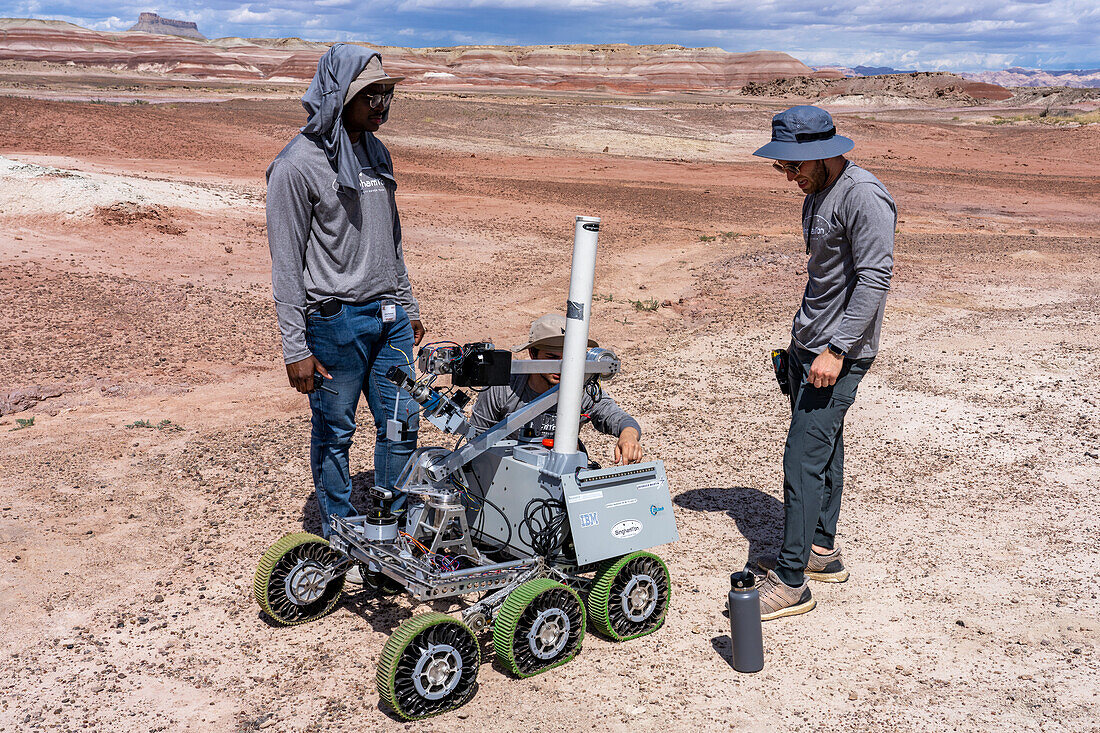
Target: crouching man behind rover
545,342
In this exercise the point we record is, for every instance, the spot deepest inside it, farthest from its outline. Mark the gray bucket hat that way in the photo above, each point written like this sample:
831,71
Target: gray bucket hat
804,133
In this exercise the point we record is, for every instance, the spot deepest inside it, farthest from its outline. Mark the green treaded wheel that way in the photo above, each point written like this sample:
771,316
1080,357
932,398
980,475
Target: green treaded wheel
630,596
540,626
292,584
428,666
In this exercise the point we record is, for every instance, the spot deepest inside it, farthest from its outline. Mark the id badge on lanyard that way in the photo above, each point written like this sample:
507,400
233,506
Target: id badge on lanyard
389,312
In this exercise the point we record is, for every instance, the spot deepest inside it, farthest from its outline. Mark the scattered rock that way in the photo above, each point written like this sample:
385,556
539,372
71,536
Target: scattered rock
24,398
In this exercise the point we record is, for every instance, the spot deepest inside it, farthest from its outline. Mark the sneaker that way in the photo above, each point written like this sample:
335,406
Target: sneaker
777,599
355,575
827,568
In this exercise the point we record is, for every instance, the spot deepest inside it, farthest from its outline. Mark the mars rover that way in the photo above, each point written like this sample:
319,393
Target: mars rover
550,541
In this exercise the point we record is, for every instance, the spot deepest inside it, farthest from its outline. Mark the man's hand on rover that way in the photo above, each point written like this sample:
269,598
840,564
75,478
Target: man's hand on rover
300,373
628,449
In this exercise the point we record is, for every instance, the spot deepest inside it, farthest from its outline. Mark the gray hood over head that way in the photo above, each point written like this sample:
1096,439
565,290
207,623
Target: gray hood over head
324,102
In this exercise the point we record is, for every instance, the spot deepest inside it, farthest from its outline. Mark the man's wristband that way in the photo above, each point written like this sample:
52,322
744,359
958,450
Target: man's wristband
835,351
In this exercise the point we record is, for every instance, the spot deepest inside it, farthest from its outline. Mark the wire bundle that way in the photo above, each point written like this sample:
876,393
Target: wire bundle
469,499
438,563
547,525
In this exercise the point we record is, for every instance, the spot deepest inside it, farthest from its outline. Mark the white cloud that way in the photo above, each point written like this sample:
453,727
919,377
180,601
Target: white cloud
112,24
245,14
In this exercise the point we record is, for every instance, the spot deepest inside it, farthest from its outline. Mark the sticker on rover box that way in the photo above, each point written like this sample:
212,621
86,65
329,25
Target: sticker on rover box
626,529
655,484
654,509
586,496
589,520
624,502
592,226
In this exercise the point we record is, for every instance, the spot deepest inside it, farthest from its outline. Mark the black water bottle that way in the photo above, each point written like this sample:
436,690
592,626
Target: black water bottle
745,628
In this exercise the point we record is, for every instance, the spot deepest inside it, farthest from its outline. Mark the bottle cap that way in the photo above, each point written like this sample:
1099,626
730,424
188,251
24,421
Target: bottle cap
744,580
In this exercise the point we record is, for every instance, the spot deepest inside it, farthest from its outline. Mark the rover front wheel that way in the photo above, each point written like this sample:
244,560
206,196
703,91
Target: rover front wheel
294,582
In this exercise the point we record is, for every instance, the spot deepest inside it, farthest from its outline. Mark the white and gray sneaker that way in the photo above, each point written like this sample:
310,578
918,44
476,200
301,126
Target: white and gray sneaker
827,568
777,599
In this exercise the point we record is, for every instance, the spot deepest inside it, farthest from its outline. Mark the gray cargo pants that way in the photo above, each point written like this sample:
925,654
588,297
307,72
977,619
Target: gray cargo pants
813,461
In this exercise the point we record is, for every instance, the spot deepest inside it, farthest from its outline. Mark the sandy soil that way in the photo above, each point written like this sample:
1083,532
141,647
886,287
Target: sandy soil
134,291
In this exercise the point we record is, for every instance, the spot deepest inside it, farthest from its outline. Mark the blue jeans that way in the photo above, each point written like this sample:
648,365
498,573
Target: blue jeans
357,349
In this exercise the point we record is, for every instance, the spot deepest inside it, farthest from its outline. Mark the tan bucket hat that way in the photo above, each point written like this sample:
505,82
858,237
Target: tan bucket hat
372,73
548,332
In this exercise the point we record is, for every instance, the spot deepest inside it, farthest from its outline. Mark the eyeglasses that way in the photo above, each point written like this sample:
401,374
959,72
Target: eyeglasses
791,167
378,100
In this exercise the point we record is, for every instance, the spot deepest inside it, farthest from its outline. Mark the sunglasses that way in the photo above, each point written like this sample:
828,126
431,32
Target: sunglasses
378,100
791,167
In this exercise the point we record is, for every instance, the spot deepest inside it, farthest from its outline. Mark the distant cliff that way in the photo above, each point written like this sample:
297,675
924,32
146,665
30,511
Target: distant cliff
606,67
153,23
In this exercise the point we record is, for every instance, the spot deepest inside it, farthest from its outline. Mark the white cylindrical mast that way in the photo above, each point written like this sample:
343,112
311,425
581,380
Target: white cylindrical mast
578,313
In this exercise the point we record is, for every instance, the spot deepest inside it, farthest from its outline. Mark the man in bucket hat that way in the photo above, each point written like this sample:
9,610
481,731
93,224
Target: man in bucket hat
848,221
342,295
545,341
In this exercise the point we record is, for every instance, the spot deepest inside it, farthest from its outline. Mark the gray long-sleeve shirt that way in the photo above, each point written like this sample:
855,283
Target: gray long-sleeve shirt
496,403
328,242
849,232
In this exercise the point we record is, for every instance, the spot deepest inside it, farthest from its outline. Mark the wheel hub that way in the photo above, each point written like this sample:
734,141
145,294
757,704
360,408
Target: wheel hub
306,582
549,633
639,597
438,671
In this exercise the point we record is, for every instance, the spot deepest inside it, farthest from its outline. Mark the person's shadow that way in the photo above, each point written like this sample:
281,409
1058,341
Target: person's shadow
368,603
759,516
311,513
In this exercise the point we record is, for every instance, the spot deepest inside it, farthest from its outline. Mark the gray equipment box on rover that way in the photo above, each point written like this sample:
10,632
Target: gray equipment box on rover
612,511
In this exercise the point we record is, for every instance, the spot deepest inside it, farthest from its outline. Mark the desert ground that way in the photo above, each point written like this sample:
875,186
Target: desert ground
151,449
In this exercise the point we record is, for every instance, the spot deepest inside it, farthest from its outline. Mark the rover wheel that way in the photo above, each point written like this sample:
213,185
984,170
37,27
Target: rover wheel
540,626
293,584
428,666
630,596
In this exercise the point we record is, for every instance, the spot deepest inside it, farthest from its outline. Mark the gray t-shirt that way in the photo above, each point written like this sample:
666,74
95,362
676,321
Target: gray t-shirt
496,403
328,243
849,233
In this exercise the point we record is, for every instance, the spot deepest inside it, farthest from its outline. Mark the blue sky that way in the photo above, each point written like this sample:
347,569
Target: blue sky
934,34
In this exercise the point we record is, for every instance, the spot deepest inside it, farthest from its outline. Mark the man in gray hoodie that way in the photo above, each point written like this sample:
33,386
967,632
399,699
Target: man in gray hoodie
342,295
848,221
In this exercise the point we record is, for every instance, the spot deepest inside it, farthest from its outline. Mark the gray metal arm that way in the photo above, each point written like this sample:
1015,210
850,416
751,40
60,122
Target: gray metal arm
553,366
439,470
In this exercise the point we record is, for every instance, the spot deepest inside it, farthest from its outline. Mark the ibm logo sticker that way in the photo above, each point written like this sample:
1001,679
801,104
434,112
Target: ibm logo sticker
589,520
